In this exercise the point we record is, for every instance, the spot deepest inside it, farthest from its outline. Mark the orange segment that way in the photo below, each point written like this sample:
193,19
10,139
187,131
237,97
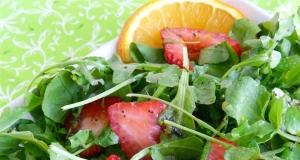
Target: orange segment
145,24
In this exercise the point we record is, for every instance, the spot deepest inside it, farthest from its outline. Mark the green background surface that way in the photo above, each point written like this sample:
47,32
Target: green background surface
36,34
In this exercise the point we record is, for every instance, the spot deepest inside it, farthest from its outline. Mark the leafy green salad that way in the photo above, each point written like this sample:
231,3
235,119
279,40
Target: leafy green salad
252,101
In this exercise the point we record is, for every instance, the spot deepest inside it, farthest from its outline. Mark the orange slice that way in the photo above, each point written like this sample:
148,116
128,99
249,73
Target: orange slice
145,24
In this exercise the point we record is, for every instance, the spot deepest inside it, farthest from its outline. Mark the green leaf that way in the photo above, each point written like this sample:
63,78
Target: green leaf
122,71
80,138
287,63
60,92
9,145
27,136
246,100
215,54
187,148
107,137
276,111
275,58
241,153
143,53
203,90
291,151
292,121
243,29
11,116
167,76
286,28
56,151
257,131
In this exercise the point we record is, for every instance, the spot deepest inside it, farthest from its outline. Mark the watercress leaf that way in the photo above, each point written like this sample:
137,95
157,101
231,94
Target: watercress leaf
286,28
246,100
186,148
9,145
121,71
257,131
143,53
291,77
56,151
274,58
80,138
214,54
26,137
291,151
244,29
167,76
99,63
284,47
107,137
271,155
60,92
203,90
33,152
287,63
276,111
274,23
10,116
292,121
241,153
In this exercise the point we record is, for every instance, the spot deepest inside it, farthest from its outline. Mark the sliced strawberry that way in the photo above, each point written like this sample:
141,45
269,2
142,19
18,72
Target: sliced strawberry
136,124
93,116
175,38
113,157
217,151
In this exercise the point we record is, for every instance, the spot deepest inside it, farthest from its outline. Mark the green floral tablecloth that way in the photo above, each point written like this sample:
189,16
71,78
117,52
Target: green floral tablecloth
37,33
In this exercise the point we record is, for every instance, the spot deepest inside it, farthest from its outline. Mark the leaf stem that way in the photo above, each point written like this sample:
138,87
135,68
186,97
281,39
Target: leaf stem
208,138
200,122
104,94
64,153
288,136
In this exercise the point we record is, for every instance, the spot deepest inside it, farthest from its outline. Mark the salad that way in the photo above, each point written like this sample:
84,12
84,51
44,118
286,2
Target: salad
233,96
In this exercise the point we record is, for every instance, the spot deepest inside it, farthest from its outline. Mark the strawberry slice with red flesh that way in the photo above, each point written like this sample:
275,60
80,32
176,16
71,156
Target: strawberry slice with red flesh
194,40
93,116
136,124
217,151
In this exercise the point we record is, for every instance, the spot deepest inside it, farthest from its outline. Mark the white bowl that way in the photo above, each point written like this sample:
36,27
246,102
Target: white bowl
251,11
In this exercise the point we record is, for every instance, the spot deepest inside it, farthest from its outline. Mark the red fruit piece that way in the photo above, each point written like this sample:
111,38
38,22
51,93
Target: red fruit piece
136,124
217,151
176,38
93,116
113,157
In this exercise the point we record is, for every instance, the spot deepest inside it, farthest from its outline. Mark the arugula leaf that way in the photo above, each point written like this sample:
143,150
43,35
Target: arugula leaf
10,116
27,136
56,151
246,100
121,71
258,131
243,29
143,53
187,148
9,145
80,138
107,137
60,92
167,75
241,153
291,151
216,54
292,121
203,90
276,111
